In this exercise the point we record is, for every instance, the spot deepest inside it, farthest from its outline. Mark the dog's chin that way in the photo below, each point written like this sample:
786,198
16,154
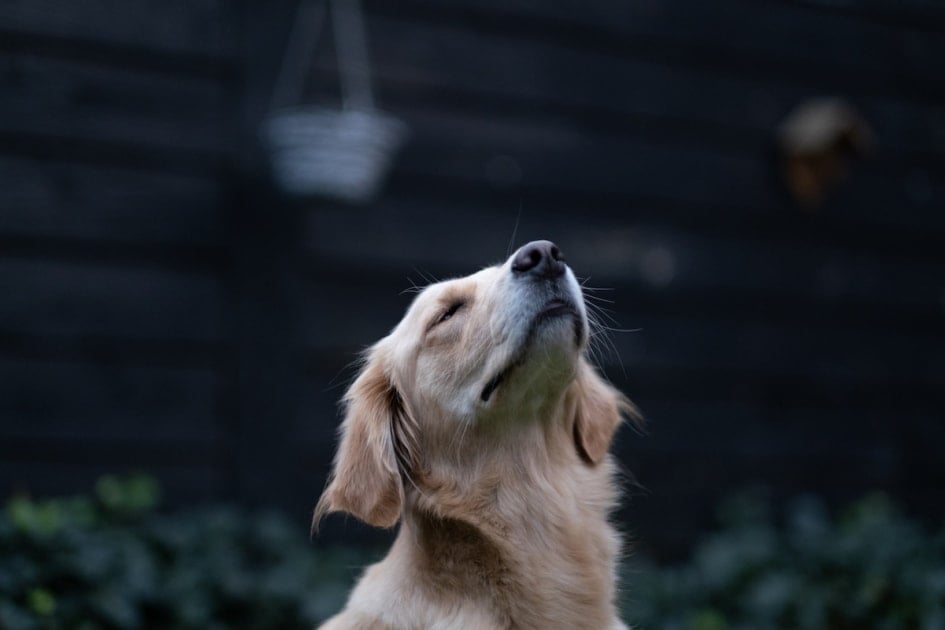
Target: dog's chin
556,334
558,325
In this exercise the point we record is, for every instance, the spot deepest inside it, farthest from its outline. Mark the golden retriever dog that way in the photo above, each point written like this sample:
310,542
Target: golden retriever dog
479,425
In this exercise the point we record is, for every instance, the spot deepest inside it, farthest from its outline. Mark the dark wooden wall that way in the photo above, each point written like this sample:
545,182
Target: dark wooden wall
163,309
114,340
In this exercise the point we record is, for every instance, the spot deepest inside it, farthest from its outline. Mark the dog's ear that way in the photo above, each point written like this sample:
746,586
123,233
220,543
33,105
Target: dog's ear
598,409
377,439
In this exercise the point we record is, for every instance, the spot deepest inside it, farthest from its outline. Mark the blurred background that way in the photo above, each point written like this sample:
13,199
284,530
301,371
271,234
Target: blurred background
759,185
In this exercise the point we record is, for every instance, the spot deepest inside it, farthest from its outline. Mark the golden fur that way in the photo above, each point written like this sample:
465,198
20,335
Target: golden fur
480,426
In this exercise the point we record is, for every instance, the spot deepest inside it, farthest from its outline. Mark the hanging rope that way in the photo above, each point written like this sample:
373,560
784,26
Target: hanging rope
317,150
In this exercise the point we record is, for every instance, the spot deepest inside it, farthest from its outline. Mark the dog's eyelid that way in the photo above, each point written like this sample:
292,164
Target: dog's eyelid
451,310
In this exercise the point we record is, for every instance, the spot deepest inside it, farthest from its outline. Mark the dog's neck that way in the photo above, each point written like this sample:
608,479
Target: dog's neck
540,554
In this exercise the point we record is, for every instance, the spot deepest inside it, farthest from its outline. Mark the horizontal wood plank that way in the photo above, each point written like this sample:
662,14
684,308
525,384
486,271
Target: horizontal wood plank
79,401
532,155
208,27
923,15
756,38
745,427
54,199
62,98
62,298
456,67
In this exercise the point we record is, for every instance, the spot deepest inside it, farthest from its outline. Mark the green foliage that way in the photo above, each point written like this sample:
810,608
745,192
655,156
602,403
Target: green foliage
112,561
870,568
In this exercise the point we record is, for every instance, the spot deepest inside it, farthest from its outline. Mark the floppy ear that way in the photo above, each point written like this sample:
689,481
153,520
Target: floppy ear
376,443
599,408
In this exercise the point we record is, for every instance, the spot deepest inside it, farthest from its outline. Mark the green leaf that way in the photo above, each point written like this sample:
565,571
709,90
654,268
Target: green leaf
708,620
41,602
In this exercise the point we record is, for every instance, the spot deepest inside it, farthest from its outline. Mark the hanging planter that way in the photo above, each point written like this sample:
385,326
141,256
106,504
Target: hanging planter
315,150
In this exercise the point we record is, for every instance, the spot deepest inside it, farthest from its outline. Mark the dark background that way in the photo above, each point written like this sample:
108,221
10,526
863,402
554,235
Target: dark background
163,308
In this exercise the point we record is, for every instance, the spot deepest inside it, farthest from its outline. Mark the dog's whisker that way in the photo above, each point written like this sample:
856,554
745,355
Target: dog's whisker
586,287
413,288
601,343
620,330
597,299
508,251
601,312
429,278
595,317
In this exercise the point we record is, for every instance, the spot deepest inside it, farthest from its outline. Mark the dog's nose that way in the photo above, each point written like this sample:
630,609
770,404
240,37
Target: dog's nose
542,259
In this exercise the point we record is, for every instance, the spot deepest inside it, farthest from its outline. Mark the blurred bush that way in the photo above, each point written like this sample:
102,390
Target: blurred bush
870,568
112,561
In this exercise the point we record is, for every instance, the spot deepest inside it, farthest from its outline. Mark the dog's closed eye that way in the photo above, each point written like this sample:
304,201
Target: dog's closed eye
449,312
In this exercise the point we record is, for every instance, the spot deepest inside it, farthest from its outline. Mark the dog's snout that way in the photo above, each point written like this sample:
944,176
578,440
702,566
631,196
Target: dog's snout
540,259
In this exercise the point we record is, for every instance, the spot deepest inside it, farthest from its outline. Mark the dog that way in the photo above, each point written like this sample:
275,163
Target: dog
479,424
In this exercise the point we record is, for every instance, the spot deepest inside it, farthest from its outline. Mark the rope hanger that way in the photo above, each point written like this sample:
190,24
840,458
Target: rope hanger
316,150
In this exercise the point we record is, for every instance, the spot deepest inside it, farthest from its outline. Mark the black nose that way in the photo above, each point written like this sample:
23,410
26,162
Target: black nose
541,259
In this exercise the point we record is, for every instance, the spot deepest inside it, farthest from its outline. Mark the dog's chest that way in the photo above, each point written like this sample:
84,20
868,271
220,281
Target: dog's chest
533,578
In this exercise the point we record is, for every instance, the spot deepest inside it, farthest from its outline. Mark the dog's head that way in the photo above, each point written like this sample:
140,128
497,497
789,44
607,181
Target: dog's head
474,366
